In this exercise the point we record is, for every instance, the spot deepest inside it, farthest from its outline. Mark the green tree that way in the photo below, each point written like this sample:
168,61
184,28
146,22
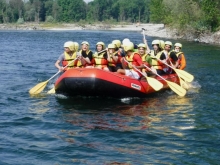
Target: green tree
157,11
72,10
17,8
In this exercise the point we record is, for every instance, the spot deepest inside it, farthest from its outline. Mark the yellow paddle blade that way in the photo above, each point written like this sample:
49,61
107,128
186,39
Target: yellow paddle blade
154,83
176,88
38,88
184,75
184,84
52,91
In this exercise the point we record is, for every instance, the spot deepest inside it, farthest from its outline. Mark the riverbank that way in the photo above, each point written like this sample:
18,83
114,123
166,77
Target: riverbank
155,30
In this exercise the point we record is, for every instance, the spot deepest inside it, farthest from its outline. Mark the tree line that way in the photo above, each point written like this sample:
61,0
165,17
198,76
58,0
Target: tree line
73,10
201,15
197,14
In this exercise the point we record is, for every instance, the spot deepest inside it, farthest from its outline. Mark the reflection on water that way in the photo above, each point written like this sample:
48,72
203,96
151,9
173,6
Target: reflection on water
39,106
143,121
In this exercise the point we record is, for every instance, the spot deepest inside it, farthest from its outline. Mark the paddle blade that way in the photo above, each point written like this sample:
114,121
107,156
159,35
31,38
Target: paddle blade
38,88
154,83
176,88
184,75
184,84
52,91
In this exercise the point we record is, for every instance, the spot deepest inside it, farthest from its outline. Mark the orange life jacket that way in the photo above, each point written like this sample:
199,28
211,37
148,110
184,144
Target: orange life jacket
99,59
182,62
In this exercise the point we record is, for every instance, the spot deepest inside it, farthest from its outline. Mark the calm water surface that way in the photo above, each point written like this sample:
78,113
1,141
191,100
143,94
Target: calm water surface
47,129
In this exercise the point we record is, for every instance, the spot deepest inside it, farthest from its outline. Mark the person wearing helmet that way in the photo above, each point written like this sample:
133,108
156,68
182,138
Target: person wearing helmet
85,55
180,55
117,44
142,50
156,54
100,59
76,46
134,59
120,53
171,58
168,57
113,57
67,57
162,44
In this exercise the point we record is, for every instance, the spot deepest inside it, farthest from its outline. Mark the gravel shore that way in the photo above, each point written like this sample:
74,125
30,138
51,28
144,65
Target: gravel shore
155,30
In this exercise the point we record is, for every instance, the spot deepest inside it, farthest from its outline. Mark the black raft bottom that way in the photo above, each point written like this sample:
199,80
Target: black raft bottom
95,87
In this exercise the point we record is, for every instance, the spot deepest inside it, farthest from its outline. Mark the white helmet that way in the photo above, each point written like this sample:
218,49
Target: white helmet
70,45
125,41
129,46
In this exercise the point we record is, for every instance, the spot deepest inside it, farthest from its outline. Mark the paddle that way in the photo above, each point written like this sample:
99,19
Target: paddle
40,87
154,83
52,91
175,87
181,73
143,31
182,82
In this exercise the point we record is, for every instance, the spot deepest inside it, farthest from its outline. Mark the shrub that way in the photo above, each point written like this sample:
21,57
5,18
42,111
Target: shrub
50,19
20,21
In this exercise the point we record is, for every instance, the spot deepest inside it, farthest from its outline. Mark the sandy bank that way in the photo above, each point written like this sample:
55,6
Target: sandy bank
155,30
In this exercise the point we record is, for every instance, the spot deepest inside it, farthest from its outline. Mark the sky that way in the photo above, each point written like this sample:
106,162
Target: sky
88,1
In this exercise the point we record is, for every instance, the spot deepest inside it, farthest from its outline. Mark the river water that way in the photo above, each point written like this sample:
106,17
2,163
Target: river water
162,128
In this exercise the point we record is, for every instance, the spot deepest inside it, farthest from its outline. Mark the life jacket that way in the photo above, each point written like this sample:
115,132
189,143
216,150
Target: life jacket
131,62
112,62
99,59
156,63
145,62
182,60
68,59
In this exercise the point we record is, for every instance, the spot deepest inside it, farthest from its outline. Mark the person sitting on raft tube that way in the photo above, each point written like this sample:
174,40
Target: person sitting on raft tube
171,57
142,50
120,53
134,59
112,57
67,57
85,55
156,54
100,59
180,56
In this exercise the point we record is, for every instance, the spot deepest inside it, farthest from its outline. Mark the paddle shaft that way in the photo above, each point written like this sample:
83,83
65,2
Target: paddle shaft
143,31
134,67
155,73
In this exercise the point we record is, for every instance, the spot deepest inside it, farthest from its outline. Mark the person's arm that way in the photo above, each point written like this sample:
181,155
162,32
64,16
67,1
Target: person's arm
108,56
147,47
57,63
123,63
115,57
175,59
86,59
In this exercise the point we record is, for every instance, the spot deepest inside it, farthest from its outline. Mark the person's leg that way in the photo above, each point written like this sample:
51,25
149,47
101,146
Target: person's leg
121,71
132,74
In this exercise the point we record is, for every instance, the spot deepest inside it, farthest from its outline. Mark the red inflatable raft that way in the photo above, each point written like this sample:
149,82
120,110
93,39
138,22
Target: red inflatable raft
97,82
